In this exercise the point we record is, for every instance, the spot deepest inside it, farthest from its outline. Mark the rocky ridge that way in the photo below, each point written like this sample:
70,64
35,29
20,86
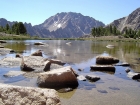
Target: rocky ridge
131,21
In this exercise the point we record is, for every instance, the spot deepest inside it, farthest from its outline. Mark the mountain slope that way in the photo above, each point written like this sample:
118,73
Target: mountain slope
131,21
61,25
67,25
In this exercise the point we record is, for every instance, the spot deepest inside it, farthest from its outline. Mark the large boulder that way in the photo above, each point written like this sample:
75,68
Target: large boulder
62,77
10,61
17,95
106,60
35,63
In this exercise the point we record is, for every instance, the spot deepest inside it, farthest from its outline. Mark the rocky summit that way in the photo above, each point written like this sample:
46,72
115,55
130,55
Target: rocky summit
131,21
62,25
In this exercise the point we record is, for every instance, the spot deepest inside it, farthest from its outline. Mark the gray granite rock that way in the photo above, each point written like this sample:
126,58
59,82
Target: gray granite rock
17,95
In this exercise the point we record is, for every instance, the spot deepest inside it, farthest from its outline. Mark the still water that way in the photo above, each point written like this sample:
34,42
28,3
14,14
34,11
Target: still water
114,88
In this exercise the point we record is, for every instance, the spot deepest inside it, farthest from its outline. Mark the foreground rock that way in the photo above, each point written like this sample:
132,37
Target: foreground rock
62,77
10,61
103,68
106,60
35,63
16,95
93,78
37,53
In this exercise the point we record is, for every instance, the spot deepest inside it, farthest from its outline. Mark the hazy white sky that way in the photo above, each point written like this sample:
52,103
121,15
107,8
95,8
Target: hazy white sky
37,11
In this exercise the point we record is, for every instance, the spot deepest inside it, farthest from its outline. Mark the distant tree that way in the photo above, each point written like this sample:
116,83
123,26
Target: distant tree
7,27
138,33
22,29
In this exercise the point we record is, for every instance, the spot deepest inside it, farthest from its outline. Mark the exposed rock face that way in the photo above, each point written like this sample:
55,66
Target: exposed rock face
16,95
62,25
63,77
106,60
131,21
66,25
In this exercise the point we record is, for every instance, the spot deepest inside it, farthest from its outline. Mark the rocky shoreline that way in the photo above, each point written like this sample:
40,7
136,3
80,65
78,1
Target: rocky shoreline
51,73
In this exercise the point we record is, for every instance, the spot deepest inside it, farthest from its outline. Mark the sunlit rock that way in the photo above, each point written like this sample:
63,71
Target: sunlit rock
62,77
106,60
93,78
35,63
37,53
81,78
17,95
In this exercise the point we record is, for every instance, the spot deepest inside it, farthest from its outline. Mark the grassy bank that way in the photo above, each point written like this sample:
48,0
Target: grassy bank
4,36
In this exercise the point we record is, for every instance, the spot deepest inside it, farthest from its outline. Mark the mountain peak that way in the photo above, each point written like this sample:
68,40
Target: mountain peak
131,21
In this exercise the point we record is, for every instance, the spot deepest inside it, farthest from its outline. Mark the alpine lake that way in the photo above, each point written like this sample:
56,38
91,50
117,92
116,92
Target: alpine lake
113,88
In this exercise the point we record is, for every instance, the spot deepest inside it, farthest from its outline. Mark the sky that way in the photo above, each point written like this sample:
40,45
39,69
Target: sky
37,11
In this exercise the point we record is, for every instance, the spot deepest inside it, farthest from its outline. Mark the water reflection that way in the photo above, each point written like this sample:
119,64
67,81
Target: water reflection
17,46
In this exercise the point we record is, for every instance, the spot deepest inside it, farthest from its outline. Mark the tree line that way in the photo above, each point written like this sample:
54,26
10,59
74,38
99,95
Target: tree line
112,30
17,28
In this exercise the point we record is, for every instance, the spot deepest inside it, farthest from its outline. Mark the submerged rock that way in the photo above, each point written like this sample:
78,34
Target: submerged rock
81,78
64,90
103,68
56,61
93,78
17,95
133,75
110,46
106,60
62,77
4,51
10,61
14,73
123,64
39,43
